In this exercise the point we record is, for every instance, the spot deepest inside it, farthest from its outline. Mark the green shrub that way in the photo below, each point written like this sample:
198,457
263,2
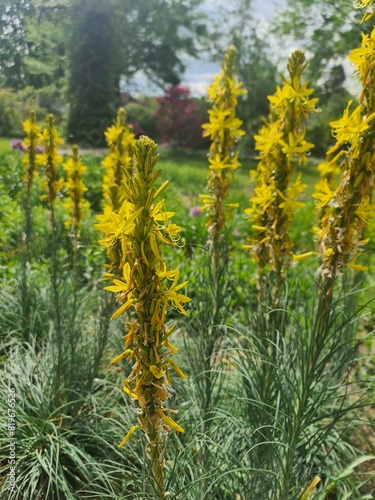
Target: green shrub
141,116
14,109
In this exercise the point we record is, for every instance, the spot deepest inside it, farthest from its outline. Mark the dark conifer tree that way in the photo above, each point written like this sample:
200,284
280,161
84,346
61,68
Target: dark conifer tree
94,72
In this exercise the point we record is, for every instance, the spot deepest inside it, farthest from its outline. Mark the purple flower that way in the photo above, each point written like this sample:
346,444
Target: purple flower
236,234
195,212
39,149
17,144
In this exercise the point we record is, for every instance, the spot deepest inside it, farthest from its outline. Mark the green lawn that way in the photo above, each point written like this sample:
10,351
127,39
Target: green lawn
188,177
4,145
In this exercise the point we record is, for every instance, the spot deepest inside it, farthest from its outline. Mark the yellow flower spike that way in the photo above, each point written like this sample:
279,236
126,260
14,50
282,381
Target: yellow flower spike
170,422
282,146
128,435
224,130
347,208
51,161
77,206
30,160
119,139
146,292
32,129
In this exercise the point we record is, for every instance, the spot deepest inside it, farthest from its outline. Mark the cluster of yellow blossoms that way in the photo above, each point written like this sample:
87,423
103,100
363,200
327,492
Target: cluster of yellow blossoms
76,205
348,208
281,144
326,185
224,131
31,141
119,137
50,160
147,288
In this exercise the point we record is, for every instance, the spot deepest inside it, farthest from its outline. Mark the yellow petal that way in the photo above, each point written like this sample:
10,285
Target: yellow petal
121,356
302,256
157,372
133,429
122,309
170,423
177,369
154,247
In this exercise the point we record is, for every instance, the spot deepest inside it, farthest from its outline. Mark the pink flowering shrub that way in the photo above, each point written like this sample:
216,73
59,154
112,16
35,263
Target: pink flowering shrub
179,119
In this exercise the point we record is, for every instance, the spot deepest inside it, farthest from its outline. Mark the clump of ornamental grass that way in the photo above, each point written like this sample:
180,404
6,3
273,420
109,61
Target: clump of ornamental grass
145,292
282,146
300,433
65,450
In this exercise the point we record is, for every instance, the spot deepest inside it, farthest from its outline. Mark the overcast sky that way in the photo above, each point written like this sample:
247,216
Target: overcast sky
200,73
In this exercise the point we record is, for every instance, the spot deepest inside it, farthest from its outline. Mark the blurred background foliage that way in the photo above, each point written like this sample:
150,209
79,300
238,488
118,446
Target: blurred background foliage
77,59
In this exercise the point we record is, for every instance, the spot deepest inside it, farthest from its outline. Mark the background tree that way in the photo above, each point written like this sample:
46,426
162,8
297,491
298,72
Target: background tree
157,35
32,43
254,65
325,30
94,65
179,119
117,38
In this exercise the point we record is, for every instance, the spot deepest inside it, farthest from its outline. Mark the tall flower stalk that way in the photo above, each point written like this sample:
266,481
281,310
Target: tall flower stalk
325,186
148,289
346,212
76,205
224,131
119,138
31,141
50,160
349,207
282,146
